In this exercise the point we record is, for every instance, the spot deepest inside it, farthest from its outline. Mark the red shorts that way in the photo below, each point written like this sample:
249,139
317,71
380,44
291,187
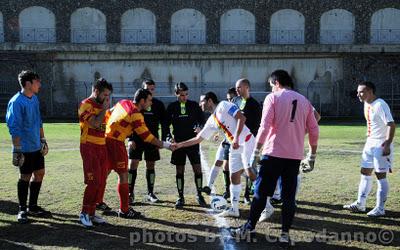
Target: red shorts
94,159
117,156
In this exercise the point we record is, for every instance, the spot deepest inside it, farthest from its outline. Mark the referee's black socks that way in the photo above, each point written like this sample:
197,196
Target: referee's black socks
198,179
150,177
180,183
132,173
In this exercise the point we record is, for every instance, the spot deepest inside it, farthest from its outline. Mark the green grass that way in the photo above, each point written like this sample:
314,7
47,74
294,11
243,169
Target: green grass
333,183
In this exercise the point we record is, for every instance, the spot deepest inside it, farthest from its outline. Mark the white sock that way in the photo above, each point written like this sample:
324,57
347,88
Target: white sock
298,184
213,175
277,193
364,188
381,193
268,203
235,195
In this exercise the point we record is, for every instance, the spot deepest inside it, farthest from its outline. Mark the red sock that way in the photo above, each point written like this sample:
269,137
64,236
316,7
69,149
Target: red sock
100,193
89,199
123,192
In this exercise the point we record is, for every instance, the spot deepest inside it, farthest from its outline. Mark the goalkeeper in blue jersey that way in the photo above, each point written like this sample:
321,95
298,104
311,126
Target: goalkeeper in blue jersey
29,145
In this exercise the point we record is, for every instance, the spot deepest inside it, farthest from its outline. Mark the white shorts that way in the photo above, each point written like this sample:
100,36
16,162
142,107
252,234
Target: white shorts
240,158
372,156
219,156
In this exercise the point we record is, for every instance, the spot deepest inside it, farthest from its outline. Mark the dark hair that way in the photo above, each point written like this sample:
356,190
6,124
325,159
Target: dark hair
232,91
27,76
245,81
147,82
180,86
212,96
283,77
141,94
369,85
101,84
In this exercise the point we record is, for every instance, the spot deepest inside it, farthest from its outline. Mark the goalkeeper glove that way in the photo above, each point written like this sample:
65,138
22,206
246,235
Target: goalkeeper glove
18,157
307,165
44,147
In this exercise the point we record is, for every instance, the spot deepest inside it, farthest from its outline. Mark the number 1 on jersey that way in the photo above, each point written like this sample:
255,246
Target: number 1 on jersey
294,103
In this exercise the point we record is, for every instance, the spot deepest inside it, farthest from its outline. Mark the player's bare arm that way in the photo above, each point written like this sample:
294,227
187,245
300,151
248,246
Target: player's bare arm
389,138
241,121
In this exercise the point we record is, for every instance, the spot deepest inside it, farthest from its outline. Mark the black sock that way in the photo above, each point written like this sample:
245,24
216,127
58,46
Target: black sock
150,177
198,180
227,181
132,179
34,193
23,187
248,187
180,183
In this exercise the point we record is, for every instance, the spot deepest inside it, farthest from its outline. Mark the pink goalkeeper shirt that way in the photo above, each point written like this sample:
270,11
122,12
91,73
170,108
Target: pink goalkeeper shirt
287,116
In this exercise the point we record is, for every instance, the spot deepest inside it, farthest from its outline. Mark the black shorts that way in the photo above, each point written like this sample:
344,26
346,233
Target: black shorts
33,161
226,147
151,152
178,157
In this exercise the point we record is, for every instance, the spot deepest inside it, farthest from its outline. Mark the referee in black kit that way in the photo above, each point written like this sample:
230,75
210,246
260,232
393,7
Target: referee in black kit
154,116
186,118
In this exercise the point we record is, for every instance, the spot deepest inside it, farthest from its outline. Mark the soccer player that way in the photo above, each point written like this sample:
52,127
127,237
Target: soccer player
286,117
252,111
221,158
29,145
227,117
126,118
92,111
154,116
377,154
186,117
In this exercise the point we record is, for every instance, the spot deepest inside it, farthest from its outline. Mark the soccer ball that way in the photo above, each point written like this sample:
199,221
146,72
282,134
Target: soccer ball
218,204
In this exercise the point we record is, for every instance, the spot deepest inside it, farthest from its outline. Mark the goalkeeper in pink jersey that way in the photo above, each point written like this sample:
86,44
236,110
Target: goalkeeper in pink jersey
286,117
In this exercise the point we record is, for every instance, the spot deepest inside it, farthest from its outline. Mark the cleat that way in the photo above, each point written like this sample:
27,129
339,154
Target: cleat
247,199
85,220
151,198
226,195
180,202
131,199
242,232
275,201
38,211
285,241
376,212
131,214
355,207
103,207
22,217
266,213
206,190
201,201
97,219
229,212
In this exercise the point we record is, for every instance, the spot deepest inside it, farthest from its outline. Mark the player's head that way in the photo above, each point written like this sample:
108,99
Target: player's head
149,85
208,101
231,93
366,92
181,92
101,90
243,87
280,79
143,98
30,81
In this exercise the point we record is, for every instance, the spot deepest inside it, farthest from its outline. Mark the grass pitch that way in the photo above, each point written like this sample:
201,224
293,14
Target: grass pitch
320,221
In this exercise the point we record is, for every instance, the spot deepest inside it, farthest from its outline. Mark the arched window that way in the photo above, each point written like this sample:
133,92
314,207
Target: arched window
287,27
385,26
337,27
188,26
37,25
88,25
238,26
138,26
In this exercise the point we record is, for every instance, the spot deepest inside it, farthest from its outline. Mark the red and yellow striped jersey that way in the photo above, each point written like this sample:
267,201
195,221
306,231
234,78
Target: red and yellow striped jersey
126,119
89,134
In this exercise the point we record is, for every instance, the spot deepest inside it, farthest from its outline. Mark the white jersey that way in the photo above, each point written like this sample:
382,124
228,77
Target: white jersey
378,116
223,119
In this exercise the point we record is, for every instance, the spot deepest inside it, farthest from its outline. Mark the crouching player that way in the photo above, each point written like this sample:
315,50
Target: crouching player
227,117
126,118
